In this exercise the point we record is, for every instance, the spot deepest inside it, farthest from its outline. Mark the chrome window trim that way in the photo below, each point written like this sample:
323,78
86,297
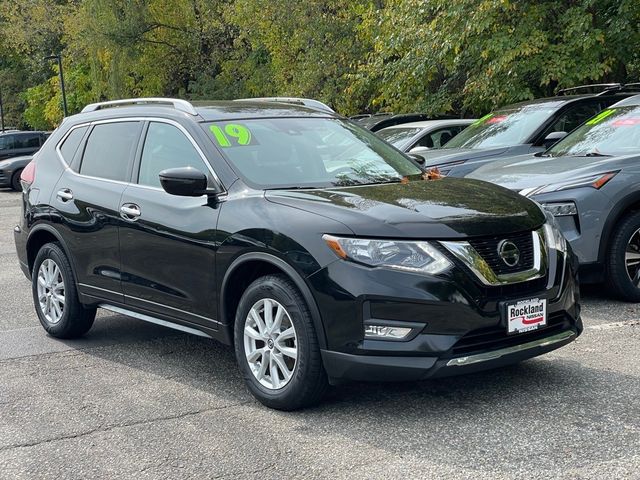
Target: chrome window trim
468,255
134,119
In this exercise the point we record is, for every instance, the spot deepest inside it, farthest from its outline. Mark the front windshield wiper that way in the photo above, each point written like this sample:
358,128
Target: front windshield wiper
597,154
292,187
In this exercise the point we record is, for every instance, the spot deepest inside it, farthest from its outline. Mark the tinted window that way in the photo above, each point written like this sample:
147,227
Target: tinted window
614,131
30,140
309,152
71,143
503,128
109,150
6,142
438,138
574,117
166,147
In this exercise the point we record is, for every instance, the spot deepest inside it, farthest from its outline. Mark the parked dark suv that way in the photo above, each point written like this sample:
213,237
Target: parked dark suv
317,250
17,143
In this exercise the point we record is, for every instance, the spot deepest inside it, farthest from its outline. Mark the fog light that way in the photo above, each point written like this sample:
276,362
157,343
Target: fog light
561,209
381,331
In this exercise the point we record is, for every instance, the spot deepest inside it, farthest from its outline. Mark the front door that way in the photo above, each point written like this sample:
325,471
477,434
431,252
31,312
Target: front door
167,244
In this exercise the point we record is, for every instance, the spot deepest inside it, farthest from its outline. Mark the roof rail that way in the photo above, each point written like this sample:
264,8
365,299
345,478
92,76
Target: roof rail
178,104
605,87
307,102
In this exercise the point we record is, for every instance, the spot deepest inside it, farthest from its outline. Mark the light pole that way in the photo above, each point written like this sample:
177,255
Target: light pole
1,114
64,93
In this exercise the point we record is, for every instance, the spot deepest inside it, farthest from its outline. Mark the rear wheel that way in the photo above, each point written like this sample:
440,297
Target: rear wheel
276,345
15,180
624,259
55,295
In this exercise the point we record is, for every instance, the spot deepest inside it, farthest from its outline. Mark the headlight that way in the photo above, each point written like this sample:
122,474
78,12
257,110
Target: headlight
419,257
596,181
553,236
561,209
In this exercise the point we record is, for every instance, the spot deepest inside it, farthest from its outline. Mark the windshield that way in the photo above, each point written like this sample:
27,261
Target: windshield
308,152
503,128
398,137
614,131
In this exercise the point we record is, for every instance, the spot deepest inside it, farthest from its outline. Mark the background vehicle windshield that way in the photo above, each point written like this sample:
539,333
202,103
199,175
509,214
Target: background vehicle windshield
502,128
308,152
614,131
398,137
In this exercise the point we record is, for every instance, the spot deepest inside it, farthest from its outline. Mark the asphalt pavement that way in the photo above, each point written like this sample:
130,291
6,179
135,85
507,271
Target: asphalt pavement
136,400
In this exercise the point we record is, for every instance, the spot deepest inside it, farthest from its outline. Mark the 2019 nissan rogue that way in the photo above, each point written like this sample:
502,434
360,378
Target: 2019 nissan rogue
317,250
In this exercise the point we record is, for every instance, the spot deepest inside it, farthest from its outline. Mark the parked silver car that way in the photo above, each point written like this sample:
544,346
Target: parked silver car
590,182
416,137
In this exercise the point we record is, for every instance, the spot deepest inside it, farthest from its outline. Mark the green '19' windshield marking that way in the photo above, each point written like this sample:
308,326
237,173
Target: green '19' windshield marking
233,135
600,117
480,121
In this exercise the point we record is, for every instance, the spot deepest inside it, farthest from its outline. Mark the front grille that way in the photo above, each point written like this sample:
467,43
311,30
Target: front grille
487,248
494,338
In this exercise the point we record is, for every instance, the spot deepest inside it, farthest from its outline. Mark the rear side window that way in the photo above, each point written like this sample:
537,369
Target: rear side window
6,142
71,143
109,150
30,140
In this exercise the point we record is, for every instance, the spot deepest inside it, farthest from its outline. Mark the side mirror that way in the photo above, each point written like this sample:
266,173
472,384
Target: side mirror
418,158
419,150
553,138
185,182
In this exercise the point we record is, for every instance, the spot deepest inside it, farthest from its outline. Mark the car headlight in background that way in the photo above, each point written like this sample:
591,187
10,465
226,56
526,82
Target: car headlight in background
417,257
553,236
561,209
596,181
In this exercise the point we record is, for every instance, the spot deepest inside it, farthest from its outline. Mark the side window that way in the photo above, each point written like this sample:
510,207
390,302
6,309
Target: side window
165,146
6,142
28,140
438,138
574,117
109,150
71,143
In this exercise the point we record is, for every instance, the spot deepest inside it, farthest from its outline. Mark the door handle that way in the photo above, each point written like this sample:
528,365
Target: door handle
130,211
65,194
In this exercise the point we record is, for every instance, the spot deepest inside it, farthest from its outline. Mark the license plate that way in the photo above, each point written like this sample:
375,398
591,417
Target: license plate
526,315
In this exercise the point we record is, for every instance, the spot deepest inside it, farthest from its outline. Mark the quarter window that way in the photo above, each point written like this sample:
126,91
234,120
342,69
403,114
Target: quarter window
109,150
71,143
165,146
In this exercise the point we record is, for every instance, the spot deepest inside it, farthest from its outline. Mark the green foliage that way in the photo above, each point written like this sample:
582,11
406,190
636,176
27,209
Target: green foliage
458,56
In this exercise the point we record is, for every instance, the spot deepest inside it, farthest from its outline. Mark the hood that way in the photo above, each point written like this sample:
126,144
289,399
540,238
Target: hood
448,208
526,171
441,156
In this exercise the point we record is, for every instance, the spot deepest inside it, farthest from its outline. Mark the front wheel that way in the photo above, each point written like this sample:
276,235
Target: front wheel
623,272
55,295
15,181
276,345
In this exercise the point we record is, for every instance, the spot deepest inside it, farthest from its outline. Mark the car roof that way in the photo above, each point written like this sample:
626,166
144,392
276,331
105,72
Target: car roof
630,101
432,123
201,111
557,102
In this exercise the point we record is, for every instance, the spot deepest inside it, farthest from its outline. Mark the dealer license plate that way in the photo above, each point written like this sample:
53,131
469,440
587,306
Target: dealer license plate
526,315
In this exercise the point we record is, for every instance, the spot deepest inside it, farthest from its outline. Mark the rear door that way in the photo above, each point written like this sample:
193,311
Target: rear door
86,201
168,243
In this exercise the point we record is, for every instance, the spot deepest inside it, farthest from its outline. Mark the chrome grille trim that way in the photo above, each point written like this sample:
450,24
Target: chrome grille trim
468,255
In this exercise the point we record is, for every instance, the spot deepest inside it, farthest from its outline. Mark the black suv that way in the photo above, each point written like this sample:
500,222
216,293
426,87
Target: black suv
317,250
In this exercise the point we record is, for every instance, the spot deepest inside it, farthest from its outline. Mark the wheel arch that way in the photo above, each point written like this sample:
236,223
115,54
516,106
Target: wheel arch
247,268
630,203
40,235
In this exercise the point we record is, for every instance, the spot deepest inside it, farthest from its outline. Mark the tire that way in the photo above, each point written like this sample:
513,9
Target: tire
52,271
15,181
307,381
626,234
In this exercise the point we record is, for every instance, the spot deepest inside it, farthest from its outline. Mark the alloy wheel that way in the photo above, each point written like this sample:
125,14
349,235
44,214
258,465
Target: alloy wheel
51,291
270,343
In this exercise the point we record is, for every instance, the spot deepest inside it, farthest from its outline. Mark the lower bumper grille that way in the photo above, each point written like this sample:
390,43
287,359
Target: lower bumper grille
496,337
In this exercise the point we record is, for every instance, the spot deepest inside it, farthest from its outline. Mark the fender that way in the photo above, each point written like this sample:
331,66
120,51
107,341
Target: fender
49,229
612,220
292,273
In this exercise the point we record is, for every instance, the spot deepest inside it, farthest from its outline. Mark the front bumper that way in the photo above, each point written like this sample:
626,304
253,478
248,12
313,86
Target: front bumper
459,326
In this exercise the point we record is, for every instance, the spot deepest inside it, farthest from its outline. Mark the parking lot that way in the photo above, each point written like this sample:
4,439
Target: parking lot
132,399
